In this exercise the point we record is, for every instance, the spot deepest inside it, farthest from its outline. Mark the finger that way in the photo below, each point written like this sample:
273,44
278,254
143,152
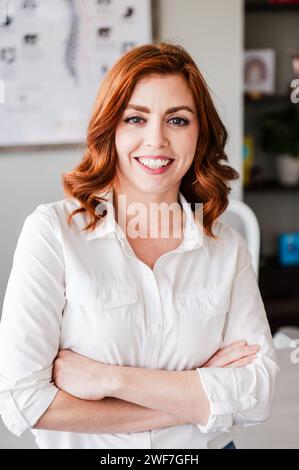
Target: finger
230,347
225,349
237,354
243,362
233,355
234,345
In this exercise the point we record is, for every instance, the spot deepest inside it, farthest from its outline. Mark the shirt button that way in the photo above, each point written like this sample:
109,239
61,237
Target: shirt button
156,327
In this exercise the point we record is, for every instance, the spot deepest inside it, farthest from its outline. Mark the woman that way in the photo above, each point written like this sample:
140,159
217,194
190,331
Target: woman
113,333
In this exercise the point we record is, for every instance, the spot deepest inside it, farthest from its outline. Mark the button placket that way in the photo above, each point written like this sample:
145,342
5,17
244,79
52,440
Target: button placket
143,440
156,325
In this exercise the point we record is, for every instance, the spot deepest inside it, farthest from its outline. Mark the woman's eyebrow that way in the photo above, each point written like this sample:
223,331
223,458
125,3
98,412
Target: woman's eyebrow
143,109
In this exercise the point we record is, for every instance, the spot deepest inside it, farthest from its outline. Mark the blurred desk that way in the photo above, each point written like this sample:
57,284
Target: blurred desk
281,430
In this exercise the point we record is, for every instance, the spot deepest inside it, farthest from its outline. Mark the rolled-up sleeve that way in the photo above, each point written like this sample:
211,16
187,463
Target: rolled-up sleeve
30,323
242,395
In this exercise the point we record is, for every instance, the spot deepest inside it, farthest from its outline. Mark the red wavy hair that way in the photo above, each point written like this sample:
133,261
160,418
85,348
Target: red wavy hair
206,180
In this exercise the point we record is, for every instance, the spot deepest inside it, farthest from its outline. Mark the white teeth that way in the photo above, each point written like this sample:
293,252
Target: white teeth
153,163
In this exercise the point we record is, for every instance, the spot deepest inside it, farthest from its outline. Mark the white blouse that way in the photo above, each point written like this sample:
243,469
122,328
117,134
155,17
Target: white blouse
88,292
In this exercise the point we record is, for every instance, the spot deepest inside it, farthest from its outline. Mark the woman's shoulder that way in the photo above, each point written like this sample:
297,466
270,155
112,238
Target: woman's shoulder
54,215
227,236
59,207
230,249
226,231
55,210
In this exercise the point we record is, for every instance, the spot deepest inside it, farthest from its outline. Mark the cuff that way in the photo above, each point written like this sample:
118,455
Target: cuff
20,410
221,387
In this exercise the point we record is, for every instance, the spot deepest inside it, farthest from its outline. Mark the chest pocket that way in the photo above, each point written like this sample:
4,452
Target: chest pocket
205,303
112,296
102,319
201,320
101,295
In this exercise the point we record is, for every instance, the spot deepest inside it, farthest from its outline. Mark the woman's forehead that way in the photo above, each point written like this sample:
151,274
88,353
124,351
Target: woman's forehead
160,79
168,88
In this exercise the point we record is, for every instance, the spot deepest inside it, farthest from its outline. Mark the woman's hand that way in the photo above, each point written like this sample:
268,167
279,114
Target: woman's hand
82,377
237,354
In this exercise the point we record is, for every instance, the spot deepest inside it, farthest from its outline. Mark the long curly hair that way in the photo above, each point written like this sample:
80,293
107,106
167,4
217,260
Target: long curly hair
207,179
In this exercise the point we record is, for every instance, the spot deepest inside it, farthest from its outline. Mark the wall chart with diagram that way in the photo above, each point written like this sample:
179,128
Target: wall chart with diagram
53,56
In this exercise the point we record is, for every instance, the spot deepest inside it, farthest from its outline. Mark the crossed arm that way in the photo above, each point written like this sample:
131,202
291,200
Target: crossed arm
100,398
109,415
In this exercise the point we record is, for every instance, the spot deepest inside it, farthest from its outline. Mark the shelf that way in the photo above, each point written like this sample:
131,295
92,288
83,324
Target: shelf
267,99
279,289
270,185
268,7
289,305
265,24
272,263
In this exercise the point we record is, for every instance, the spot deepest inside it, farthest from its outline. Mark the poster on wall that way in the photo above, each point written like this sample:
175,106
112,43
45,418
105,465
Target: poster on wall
53,57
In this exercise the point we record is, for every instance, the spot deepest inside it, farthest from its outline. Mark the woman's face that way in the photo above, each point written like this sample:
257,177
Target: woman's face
150,129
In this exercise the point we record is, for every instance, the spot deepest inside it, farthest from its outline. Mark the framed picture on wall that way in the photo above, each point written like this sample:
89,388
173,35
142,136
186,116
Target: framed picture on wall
259,71
53,58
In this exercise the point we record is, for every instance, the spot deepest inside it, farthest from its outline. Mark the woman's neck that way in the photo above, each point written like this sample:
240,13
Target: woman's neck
149,215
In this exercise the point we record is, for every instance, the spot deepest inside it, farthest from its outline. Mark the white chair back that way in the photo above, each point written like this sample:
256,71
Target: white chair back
241,217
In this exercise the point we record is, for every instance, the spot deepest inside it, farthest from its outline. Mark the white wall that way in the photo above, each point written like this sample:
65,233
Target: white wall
212,31
27,178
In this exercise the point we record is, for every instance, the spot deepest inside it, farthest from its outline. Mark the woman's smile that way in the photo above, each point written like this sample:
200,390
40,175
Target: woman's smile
154,165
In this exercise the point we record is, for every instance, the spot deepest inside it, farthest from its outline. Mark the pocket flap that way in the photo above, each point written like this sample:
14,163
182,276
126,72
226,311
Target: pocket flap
213,302
115,295
101,294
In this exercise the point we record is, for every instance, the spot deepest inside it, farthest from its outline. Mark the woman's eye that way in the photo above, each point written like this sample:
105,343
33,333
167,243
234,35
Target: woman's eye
180,122
129,120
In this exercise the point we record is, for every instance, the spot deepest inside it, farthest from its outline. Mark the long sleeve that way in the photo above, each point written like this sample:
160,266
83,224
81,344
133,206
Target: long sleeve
30,324
242,395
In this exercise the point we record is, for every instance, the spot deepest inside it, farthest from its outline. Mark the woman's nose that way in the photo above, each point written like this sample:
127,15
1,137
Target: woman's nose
155,135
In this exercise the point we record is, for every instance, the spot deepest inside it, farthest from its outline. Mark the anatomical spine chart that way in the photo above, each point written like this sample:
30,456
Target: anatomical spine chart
53,57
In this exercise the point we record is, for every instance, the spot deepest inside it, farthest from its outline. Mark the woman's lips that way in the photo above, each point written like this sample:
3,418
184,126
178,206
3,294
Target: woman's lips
156,171
155,157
